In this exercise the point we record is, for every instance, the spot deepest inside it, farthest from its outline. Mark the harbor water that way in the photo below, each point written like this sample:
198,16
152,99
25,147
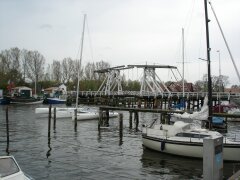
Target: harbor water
90,154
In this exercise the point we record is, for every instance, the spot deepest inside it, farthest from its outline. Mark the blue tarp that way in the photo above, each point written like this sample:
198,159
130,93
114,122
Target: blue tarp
217,120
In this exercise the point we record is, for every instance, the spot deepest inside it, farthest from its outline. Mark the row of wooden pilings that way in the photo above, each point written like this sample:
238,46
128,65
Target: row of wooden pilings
133,117
104,119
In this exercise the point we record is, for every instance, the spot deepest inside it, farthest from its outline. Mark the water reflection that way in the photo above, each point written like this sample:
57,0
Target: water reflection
171,166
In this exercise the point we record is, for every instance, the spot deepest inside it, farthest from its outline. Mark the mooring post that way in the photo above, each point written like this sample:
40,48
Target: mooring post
75,119
107,118
49,131
100,119
130,119
54,118
137,120
7,130
213,158
49,121
120,124
188,104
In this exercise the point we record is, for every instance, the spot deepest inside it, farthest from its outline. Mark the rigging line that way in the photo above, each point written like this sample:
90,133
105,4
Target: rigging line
229,51
189,22
90,40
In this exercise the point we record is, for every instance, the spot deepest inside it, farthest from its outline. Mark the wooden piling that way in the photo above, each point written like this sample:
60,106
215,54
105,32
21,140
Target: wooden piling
49,120
120,124
107,118
130,119
7,130
54,118
75,119
136,120
100,119
49,131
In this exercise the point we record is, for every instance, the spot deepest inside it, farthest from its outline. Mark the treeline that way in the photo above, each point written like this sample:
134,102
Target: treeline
29,68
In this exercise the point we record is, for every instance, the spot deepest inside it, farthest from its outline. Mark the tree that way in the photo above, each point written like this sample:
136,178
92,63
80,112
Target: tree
89,71
101,65
35,66
218,83
56,71
10,66
67,70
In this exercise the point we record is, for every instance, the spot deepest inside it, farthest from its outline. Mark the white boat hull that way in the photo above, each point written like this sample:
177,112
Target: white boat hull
46,110
188,149
91,115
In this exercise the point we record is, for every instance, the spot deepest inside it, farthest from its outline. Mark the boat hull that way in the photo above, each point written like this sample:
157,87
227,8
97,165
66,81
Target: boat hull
55,101
4,101
25,101
92,115
188,149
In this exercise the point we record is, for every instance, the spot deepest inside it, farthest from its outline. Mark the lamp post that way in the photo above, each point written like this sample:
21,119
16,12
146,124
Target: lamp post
220,79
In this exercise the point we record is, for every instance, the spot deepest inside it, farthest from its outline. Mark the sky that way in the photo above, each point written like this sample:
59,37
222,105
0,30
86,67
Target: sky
126,32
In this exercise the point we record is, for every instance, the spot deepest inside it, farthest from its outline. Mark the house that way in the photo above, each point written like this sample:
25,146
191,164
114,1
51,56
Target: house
177,87
233,90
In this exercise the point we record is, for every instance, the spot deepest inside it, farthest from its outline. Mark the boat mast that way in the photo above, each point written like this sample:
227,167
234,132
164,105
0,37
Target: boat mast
209,67
183,62
80,61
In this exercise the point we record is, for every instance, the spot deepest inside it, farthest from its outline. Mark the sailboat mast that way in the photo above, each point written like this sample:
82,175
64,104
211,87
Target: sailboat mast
80,61
183,85
209,67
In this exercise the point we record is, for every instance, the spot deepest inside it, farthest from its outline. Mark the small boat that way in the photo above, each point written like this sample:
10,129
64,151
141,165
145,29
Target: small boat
43,110
23,95
184,140
60,112
4,100
56,101
10,170
91,115
25,101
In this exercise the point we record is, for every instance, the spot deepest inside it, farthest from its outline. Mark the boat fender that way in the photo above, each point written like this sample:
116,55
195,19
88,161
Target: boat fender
162,145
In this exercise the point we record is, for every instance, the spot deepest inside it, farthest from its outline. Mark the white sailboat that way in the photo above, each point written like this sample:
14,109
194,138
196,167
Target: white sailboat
185,140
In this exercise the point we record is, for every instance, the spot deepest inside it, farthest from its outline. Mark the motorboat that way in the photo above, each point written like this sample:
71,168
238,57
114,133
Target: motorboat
10,170
184,139
55,100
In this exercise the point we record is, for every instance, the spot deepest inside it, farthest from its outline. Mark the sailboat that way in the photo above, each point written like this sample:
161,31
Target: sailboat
184,139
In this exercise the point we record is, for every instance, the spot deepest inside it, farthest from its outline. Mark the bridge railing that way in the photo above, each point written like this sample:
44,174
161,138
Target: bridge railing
165,94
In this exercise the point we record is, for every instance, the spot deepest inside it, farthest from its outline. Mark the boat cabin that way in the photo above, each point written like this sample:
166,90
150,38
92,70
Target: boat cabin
21,91
55,91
